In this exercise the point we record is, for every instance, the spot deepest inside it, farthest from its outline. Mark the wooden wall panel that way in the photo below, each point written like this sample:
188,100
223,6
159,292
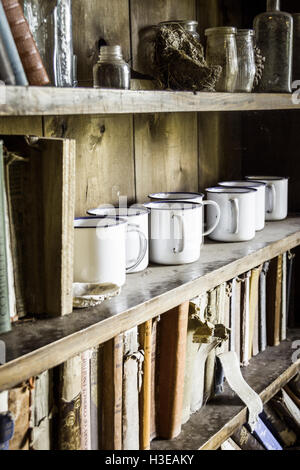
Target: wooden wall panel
220,145
21,125
166,144
104,157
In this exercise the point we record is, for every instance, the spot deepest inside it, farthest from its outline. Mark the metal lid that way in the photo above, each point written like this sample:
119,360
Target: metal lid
221,30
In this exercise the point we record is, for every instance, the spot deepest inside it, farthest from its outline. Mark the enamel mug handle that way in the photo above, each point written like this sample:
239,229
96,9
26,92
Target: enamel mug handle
236,207
143,246
272,197
181,223
212,203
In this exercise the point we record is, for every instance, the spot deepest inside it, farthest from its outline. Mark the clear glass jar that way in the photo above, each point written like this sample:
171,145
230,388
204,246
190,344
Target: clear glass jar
111,71
221,50
188,25
246,60
274,37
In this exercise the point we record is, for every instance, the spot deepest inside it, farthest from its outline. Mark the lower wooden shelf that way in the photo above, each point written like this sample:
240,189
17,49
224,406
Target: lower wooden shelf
212,425
36,345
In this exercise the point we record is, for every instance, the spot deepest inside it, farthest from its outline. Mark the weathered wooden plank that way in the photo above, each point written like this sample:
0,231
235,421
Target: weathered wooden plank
218,420
31,349
21,125
104,157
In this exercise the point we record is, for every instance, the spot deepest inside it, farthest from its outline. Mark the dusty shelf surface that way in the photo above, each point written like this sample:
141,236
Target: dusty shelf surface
42,343
212,425
47,101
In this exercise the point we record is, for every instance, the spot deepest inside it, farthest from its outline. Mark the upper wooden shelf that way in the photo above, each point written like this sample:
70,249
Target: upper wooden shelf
38,345
47,101
217,421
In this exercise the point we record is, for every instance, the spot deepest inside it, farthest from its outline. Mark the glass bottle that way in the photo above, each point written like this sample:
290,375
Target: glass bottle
221,50
246,60
188,25
296,48
111,71
274,37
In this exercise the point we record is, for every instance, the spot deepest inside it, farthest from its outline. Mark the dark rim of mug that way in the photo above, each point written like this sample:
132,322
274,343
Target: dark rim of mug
112,224
236,190
245,184
191,205
268,178
139,211
186,195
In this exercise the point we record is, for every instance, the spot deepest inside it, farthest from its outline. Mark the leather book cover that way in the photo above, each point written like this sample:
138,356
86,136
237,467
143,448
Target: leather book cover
283,318
245,318
19,403
6,429
274,292
245,440
42,412
69,405
112,377
290,290
7,75
154,377
262,307
209,378
86,443
265,437
145,340
236,314
96,364
278,426
253,310
173,331
29,54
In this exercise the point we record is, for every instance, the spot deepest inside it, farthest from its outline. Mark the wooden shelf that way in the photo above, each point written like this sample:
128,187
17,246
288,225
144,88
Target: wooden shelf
38,345
212,425
47,101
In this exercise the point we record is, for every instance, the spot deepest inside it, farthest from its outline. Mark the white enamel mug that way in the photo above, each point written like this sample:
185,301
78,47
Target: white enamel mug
175,232
100,250
196,198
276,196
237,206
260,205
137,246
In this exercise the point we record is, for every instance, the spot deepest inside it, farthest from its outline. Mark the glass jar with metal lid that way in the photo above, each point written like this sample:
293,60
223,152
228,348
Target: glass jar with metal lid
111,71
246,60
222,50
188,25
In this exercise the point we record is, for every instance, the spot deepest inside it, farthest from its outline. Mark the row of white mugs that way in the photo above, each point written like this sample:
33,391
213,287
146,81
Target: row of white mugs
112,242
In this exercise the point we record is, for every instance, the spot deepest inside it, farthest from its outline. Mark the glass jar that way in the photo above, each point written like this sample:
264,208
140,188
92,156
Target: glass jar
188,25
111,71
221,50
246,60
274,37
296,48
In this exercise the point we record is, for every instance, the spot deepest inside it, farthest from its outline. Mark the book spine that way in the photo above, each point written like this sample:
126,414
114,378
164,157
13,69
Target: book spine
85,401
171,378
11,49
95,370
283,320
25,43
5,324
41,412
154,377
112,394
253,304
263,307
145,338
245,440
245,324
274,291
279,428
10,266
19,402
6,72
265,437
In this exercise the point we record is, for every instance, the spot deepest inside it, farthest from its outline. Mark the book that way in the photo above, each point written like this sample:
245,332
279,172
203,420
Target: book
86,442
293,397
42,403
69,405
11,49
7,428
236,316
29,54
283,318
96,364
262,310
10,267
230,445
7,75
132,375
145,339
112,378
253,310
154,377
265,437
278,426
5,324
274,292
294,385
287,410
19,402
245,318
290,288
209,380
173,331
245,440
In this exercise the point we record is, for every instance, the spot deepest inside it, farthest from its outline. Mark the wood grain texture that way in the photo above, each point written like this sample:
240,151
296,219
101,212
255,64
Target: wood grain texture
220,418
104,158
21,125
35,347
95,20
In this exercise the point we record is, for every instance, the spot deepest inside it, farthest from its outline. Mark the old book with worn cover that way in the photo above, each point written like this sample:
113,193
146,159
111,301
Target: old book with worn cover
262,311
287,410
6,429
173,330
29,54
278,426
245,318
132,376
86,443
245,440
265,437
11,50
283,318
212,316
230,445
294,385
7,75
42,412
145,340
253,312
69,405
19,402
154,377
96,364
112,377
274,305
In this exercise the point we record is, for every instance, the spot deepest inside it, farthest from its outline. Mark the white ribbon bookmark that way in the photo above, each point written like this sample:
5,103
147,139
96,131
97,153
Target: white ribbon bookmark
236,381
